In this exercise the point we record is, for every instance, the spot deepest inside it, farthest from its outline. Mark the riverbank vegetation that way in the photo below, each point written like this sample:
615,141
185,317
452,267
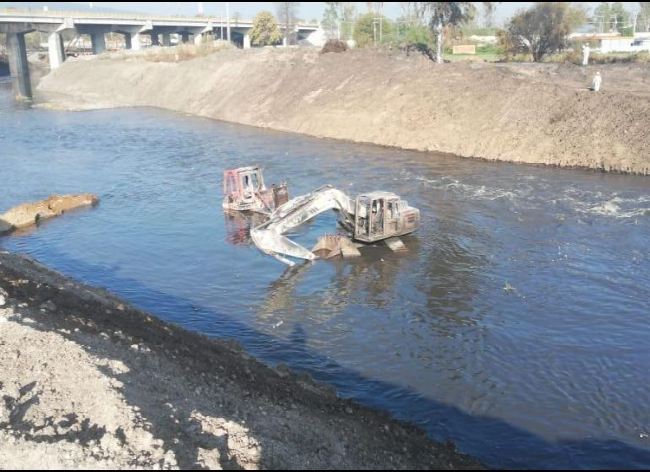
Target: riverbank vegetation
265,30
540,33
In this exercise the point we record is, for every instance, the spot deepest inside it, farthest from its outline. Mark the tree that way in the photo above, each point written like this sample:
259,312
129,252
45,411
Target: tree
288,17
265,30
375,7
371,29
443,14
644,16
621,16
331,18
339,16
488,14
348,11
611,17
544,28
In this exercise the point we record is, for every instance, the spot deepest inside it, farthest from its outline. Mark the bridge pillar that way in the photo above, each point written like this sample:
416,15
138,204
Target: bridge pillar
155,40
98,42
247,40
166,39
185,37
136,42
18,65
198,39
56,50
132,41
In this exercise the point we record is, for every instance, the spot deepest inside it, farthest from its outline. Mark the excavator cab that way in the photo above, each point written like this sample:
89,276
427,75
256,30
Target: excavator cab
244,190
383,215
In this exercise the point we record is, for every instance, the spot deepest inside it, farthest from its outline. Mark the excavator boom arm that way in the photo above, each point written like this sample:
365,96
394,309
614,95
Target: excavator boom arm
268,237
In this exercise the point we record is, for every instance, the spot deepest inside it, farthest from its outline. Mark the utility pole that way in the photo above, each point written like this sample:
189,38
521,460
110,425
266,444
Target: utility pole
228,19
374,29
221,35
200,8
379,20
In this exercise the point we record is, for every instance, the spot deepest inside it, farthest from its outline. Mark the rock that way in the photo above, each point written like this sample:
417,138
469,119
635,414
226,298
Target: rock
5,227
48,305
3,300
31,213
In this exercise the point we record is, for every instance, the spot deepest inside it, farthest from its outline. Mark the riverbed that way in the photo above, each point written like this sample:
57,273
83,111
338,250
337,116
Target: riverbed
516,325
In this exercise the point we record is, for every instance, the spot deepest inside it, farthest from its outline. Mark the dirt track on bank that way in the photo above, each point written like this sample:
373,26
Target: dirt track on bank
87,381
533,113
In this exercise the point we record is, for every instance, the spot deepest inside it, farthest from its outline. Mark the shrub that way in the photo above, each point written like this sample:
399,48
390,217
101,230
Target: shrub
334,45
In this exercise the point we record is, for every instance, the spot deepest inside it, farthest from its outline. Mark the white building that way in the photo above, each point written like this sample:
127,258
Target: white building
614,42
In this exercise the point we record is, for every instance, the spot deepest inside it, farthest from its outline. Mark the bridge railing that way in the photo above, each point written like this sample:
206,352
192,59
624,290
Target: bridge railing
36,12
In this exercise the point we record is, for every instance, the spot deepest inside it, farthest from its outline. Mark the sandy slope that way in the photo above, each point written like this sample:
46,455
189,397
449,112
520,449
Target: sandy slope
522,113
86,381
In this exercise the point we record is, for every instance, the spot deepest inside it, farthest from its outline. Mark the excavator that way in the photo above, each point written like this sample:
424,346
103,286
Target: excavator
244,190
370,218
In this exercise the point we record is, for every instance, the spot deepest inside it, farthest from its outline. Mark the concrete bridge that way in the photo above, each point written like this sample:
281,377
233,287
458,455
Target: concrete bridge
159,30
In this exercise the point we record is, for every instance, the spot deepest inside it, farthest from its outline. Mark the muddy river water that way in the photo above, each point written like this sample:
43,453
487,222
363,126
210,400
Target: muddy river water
517,325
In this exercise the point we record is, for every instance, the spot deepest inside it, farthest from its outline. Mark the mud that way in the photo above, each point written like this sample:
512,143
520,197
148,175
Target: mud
88,381
530,113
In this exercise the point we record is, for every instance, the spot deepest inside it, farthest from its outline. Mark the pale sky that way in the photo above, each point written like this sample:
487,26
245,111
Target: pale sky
307,10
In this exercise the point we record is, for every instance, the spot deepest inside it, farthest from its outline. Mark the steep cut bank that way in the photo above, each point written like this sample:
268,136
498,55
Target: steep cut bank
532,113
87,381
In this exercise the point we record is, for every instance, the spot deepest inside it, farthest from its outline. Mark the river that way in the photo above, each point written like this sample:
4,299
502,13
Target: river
517,325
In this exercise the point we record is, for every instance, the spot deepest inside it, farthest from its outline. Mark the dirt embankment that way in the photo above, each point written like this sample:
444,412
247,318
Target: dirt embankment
87,381
531,113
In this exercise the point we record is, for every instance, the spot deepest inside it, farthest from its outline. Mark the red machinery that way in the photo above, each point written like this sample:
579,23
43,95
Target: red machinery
244,190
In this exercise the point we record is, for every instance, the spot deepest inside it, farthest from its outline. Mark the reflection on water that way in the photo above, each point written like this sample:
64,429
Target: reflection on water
238,226
368,279
516,323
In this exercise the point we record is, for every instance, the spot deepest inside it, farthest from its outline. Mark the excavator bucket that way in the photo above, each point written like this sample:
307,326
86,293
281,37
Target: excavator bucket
330,246
275,245
395,244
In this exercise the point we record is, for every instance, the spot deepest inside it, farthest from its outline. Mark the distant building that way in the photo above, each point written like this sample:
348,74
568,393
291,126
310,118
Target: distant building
614,42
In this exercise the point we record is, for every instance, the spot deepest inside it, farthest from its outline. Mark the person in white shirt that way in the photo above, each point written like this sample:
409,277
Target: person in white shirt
595,85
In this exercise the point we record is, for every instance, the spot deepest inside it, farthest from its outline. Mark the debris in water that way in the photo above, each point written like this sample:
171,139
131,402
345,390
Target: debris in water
32,213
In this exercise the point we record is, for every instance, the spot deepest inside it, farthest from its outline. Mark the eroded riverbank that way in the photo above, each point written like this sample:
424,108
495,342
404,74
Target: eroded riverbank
530,113
88,381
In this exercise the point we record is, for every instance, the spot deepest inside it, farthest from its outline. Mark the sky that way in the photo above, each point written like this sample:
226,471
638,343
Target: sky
307,10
